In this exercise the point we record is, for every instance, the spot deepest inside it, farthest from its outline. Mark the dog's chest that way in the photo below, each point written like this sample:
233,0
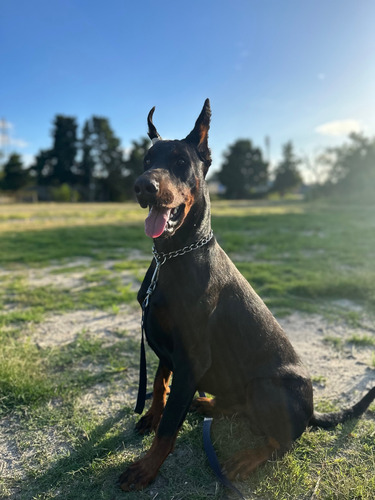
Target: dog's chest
159,326
161,315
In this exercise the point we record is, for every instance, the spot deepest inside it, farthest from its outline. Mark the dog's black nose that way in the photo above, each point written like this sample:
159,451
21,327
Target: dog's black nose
146,190
145,186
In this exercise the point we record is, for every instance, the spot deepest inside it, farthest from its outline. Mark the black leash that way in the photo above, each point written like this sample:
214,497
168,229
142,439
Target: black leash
160,259
142,384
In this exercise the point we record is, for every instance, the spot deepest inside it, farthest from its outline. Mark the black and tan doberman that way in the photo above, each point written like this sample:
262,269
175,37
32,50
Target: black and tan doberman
208,326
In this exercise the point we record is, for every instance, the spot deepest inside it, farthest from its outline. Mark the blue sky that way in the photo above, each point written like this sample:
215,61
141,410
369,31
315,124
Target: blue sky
291,69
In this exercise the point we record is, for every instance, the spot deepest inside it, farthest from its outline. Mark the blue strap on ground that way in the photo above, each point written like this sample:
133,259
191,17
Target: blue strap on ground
212,457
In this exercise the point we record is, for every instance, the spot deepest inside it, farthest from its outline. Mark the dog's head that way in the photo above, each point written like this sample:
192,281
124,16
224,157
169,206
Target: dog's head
174,172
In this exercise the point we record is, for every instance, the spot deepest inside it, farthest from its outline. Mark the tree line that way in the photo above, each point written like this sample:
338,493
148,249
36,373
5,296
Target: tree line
92,166
245,173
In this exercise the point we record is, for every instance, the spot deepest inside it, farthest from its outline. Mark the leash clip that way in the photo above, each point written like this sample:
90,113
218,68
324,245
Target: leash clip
153,282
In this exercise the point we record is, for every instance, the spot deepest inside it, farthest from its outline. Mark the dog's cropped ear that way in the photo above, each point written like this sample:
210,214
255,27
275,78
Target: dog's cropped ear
152,132
199,135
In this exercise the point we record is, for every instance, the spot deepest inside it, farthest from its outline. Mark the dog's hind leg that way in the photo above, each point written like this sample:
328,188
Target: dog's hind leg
243,463
278,409
214,407
150,421
204,406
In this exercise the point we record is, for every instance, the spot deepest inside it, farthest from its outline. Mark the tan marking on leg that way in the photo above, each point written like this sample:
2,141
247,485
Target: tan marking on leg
243,463
150,421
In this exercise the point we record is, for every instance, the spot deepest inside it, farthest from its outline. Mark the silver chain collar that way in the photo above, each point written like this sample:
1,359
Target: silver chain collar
161,258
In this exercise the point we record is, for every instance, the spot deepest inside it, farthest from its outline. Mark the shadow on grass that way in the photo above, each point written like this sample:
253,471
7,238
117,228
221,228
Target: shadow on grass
91,471
84,471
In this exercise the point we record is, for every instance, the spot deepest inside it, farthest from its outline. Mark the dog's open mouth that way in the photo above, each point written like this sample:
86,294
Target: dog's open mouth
162,220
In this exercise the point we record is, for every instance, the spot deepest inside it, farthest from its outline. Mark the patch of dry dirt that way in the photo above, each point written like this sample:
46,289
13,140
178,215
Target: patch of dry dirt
60,329
345,372
74,278
10,456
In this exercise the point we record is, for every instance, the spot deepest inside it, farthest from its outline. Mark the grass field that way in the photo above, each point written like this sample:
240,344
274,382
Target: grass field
69,327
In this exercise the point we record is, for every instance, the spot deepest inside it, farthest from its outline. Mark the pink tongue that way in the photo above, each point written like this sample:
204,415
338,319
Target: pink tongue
156,221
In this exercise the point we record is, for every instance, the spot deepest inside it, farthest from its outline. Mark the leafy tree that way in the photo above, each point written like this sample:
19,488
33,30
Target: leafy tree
64,193
134,163
64,150
1,166
14,175
42,169
103,158
243,170
352,167
57,165
287,174
87,165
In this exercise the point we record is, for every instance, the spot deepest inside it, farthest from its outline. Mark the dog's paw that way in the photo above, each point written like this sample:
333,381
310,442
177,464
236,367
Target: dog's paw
136,477
148,423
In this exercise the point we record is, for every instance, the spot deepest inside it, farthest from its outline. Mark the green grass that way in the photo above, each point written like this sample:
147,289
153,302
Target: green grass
355,339
336,342
315,254
33,304
332,464
362,340
68,408
24,379
319,379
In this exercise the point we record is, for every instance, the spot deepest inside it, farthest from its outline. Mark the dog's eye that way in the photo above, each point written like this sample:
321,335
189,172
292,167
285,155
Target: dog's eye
181,162
147,162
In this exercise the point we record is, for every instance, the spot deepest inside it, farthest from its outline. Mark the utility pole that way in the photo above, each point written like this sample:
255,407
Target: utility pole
4,136
267,143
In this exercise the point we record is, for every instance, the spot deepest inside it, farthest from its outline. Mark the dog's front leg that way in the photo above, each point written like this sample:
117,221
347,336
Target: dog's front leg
142,472
150,421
